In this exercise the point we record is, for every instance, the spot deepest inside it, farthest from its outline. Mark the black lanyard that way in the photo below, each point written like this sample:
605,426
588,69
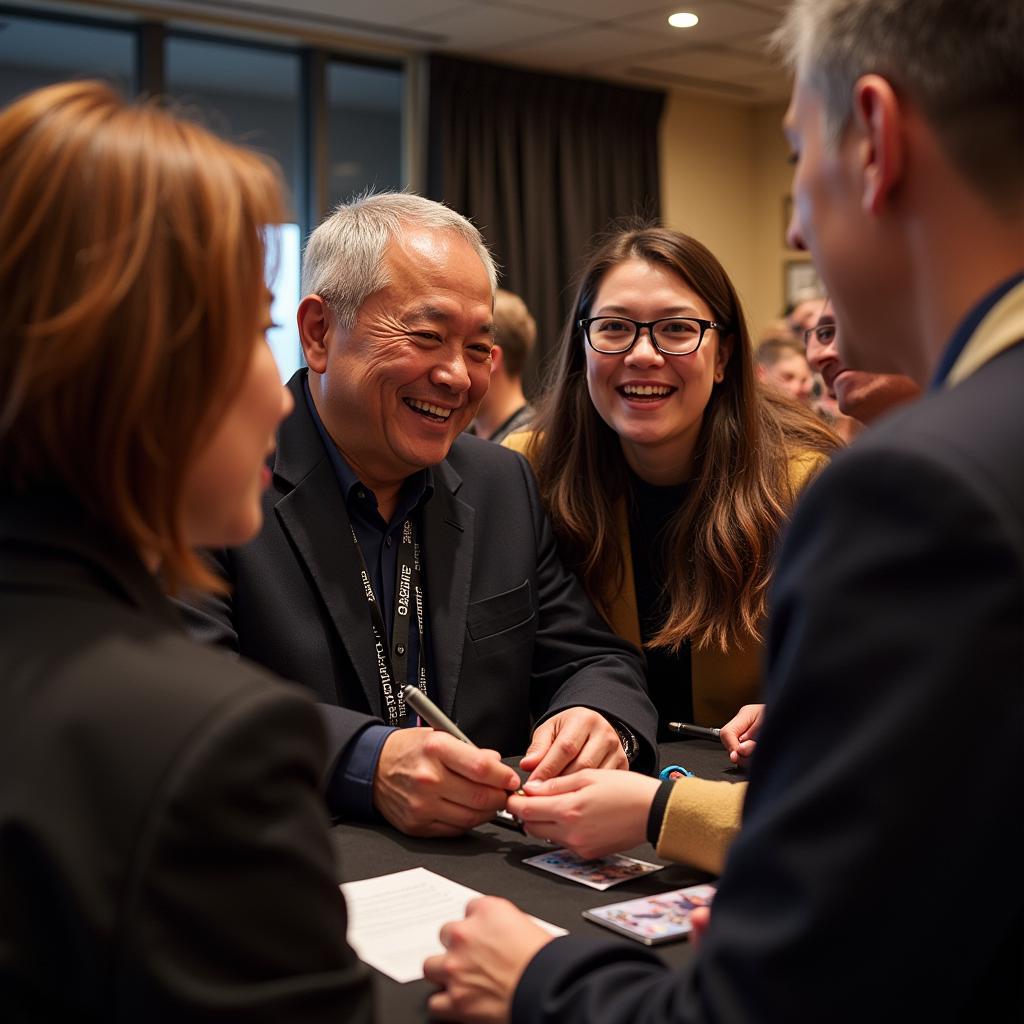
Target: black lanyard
393,664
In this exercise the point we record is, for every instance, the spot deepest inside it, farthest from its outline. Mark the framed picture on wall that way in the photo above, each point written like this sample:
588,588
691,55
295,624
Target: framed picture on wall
798,275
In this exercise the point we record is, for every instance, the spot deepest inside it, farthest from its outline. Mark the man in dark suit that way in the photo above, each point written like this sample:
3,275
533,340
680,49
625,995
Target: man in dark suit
877,875
395,550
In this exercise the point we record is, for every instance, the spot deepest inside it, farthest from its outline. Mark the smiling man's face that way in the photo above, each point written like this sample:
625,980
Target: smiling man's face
406,379
862,395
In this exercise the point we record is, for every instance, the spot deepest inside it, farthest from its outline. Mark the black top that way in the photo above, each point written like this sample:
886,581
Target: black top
669,678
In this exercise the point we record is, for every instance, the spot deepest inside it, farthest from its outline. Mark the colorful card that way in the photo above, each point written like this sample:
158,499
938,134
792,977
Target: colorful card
601,873
654,919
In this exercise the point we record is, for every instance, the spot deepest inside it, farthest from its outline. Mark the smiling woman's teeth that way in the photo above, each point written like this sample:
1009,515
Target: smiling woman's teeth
431,410
646,390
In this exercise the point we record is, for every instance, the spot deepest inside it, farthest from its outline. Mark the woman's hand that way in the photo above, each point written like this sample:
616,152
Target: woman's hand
592,812
739,734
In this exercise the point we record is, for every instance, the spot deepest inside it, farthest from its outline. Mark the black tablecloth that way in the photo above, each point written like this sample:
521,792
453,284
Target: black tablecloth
489,860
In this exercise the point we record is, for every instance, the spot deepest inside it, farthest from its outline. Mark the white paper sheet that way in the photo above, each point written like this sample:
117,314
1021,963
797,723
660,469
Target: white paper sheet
394,920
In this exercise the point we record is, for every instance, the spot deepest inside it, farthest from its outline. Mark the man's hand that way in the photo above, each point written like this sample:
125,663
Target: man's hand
592,812
487,953
570,741
428,783
739,734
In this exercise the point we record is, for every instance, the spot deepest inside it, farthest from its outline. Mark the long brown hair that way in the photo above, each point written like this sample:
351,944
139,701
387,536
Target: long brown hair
722,539
132,276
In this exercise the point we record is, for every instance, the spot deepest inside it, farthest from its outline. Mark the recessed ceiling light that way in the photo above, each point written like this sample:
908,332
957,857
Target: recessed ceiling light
683,20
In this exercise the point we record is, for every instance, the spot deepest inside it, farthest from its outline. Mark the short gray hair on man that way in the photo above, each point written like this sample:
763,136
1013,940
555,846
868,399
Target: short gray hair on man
344,258
959,60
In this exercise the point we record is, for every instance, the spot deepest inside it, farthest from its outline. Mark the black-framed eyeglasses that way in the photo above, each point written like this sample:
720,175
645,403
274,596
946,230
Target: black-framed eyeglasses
825,334
671,335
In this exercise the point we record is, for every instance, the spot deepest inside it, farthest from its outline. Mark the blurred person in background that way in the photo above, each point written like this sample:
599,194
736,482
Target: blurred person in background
781,364
860,396
504,408
804,309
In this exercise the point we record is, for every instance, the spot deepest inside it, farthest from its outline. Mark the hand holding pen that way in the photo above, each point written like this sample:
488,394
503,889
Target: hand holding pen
428,783
433,716
738,735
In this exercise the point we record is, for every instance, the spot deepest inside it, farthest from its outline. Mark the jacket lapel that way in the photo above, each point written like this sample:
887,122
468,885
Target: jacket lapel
313,516
448,566
315,519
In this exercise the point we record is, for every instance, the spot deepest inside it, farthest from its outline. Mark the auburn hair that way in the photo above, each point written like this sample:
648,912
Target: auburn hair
132,273
721,540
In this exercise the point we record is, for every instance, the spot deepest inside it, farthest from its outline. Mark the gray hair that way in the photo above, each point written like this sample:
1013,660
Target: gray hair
344,258
959,60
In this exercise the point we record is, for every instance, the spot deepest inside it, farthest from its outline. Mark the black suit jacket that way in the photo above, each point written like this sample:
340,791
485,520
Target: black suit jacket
163,844
878,873
514,638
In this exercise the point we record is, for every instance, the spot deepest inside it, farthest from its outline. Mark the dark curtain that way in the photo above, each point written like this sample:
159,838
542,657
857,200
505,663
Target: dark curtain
541,163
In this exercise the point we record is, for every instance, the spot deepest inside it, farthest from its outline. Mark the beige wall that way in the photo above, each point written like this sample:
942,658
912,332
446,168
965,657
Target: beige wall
724,175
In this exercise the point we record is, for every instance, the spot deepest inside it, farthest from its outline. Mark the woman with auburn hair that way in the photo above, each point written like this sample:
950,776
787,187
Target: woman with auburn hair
667,472
164,850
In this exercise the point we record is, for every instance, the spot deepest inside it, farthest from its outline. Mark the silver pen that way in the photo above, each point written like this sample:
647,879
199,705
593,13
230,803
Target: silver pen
432,714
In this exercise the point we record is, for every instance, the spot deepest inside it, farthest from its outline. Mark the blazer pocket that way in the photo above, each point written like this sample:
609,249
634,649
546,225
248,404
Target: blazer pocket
500,613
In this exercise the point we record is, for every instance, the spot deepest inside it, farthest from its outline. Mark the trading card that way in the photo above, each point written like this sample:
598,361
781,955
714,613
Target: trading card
598,874
654,919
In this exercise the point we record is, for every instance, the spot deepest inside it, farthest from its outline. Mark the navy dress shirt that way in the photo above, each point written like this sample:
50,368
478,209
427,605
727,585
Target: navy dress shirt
351,785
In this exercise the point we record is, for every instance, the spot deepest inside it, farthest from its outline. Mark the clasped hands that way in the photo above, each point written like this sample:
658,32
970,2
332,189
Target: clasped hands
428,783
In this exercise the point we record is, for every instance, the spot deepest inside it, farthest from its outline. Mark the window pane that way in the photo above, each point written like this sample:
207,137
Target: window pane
35,52
284,247
364,129
250,94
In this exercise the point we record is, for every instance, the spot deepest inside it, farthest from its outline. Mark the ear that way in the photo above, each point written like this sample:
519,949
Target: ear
878,118
313,318
722,357
497,359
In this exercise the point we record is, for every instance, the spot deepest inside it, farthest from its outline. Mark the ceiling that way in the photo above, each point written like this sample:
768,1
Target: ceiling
622,40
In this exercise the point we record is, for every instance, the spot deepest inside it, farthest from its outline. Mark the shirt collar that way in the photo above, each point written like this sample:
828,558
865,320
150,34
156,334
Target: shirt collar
416,490
969,325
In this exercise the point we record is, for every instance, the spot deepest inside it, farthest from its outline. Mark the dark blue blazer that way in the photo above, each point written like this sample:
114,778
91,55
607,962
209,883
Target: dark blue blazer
878,873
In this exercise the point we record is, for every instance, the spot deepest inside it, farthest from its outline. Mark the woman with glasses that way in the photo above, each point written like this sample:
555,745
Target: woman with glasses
163,844
667,472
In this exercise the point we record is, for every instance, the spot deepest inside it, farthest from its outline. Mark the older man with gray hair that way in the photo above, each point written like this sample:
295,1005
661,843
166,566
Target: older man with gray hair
877,873
397,551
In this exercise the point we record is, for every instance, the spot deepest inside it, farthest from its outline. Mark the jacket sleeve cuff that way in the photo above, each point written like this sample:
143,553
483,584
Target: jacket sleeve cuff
350,789
701,820
657,812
